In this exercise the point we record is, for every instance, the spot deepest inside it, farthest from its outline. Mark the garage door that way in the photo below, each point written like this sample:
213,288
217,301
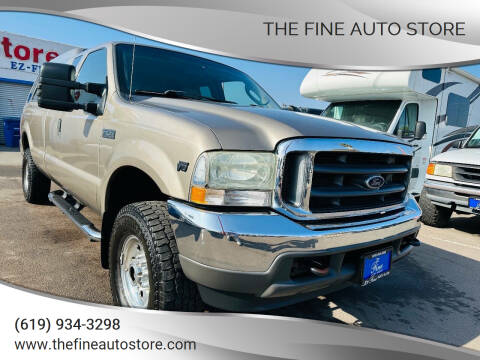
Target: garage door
12,98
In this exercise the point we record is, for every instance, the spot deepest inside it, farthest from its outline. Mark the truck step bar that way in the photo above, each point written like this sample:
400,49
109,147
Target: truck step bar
71,208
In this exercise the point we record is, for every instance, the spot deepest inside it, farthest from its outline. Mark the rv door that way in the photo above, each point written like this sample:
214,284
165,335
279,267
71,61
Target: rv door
410,113
455,115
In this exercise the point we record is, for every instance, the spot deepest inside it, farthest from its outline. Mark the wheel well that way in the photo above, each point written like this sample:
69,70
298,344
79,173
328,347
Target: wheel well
25,144
127,185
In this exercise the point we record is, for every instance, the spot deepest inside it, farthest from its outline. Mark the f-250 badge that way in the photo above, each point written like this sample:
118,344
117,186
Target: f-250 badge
109,134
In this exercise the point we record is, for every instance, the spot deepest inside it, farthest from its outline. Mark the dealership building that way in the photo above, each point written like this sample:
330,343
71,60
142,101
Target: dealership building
21,58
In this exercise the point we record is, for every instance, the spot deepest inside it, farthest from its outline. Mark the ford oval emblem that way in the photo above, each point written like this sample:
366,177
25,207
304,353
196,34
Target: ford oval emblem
374,182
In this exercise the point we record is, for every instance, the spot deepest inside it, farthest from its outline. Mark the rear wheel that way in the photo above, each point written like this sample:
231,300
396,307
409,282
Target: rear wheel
432,214
145,270
36,186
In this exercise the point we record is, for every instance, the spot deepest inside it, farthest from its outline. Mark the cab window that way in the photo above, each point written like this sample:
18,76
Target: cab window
33,94
93,70
236,91
76,61
407,122
474,141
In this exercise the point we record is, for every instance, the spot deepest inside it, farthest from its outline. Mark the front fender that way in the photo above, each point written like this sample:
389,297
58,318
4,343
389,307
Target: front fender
153,161
153,141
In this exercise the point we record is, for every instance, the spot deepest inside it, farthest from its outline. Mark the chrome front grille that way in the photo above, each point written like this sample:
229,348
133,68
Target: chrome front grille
467,174
339,181
331,178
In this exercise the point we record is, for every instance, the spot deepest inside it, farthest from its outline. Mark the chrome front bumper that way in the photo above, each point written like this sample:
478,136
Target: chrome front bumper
451,195
250,242
242,261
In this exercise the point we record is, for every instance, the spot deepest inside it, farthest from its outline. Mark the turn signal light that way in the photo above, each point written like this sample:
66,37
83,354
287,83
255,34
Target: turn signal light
198,195
431,169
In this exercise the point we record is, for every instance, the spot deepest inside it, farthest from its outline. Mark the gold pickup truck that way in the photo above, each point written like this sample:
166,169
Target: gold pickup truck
209,192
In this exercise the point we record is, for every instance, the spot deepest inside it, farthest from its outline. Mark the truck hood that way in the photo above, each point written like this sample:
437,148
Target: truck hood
255,128
462,156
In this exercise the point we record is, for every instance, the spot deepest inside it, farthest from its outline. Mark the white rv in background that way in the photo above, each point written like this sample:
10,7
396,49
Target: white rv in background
396,101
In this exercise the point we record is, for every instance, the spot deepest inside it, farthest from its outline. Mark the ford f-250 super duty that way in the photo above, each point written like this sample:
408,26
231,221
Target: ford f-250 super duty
208,191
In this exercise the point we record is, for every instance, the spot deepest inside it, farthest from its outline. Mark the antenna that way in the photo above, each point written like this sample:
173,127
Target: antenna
131,71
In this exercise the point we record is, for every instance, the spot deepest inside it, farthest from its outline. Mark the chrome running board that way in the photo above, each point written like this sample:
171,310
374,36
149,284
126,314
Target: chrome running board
70,207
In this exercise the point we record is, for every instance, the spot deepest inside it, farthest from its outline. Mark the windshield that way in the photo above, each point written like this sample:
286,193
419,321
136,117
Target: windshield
376,114
166,73
474,141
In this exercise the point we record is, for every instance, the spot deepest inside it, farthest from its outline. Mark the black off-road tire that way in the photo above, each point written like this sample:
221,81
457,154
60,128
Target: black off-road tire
433,215
170,289
35,184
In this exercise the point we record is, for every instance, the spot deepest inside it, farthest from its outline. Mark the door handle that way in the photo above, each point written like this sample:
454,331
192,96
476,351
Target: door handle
59,126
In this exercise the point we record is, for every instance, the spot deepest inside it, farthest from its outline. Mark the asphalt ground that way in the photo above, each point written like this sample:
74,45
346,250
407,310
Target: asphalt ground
434,293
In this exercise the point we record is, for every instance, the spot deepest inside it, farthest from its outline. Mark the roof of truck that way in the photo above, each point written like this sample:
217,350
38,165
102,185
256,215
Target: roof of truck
67,57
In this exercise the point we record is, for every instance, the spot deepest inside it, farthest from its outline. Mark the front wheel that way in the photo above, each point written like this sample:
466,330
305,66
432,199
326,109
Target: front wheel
432,214
145,270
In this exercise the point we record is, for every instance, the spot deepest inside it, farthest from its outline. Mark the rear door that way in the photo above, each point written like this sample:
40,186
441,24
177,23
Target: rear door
33,117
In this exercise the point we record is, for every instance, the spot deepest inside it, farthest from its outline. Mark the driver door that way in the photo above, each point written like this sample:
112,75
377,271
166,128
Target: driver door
78,133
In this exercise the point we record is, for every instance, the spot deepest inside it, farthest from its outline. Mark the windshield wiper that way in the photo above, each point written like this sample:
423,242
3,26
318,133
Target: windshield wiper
178,94
201,97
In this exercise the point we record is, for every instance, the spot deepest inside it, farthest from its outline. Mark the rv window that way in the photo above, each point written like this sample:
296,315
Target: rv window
407,121
433,75
375,114
457,110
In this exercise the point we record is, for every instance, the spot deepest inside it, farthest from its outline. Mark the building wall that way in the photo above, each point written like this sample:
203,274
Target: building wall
21,58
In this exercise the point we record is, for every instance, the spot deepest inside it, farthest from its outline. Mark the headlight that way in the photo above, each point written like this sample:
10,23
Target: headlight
439,170
234,178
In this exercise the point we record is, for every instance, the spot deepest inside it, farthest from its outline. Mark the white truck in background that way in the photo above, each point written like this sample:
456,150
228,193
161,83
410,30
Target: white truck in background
398,102
453,183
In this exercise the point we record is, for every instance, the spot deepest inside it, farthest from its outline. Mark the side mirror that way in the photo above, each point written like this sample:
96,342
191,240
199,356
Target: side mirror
457,144
420,130
55,85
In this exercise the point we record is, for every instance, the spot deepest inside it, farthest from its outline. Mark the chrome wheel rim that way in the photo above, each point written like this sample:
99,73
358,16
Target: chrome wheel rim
134,273
26,179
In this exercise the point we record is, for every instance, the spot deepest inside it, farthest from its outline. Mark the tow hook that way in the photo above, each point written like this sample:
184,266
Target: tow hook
414,242
318,268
